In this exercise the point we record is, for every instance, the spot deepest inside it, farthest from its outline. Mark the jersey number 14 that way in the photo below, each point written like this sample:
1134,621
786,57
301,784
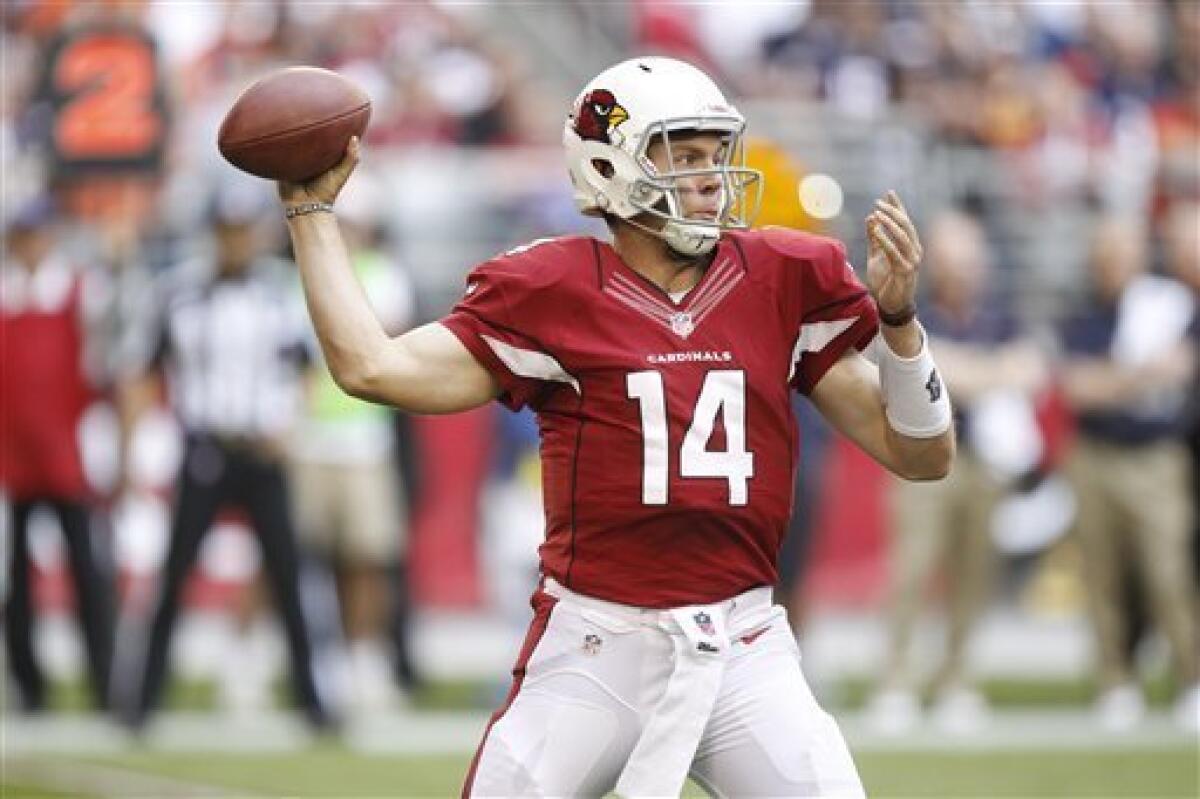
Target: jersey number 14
723,393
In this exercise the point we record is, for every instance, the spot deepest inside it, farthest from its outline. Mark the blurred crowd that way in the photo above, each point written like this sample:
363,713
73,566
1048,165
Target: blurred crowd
147,301
1075,96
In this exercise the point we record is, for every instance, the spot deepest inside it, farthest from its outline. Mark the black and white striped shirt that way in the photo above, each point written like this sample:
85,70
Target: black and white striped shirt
232,348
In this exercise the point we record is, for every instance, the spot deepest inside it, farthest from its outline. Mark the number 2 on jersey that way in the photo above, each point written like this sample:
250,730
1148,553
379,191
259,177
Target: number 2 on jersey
110,80
724,393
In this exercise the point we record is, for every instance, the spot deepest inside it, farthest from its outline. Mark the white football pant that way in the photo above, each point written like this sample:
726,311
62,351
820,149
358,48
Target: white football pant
623,699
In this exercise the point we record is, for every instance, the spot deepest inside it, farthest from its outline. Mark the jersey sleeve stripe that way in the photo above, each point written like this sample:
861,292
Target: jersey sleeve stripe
815,336
531,364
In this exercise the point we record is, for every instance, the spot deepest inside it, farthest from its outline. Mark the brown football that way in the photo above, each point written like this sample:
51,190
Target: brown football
293,124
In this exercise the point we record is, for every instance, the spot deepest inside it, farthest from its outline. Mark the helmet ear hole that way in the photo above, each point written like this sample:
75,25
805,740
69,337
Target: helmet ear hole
604,167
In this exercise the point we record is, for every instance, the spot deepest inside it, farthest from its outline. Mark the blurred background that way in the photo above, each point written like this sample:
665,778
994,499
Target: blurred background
1027,627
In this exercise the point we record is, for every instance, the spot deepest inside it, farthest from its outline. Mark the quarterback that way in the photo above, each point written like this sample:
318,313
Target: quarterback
660,366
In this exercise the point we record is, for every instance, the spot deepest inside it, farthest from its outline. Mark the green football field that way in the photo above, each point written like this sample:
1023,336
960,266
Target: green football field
333,771
1038,744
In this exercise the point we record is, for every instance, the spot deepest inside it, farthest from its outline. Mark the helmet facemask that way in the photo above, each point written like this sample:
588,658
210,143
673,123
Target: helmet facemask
659,193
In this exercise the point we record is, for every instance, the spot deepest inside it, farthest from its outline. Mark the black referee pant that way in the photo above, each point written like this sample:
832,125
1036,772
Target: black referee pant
215,475
1194,447
93,601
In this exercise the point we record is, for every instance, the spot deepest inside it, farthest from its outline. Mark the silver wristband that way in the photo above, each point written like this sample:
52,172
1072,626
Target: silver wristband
302,209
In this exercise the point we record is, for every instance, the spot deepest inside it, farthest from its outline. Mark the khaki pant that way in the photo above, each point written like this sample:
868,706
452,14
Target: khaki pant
944,523
350,511
1135,509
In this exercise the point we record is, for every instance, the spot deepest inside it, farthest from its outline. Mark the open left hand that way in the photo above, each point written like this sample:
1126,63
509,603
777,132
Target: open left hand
894,255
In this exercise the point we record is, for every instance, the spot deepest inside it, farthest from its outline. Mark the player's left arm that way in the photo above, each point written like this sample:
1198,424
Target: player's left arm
899,413
850,397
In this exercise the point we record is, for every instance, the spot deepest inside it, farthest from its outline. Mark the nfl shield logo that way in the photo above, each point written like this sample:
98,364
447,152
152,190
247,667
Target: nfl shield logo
704,622
592,644
681,324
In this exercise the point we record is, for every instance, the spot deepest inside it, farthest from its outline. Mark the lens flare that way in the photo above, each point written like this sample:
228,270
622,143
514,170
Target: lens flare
820,196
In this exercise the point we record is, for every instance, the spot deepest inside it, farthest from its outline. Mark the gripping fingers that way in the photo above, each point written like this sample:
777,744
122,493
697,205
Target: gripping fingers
353,148
349,160
328,185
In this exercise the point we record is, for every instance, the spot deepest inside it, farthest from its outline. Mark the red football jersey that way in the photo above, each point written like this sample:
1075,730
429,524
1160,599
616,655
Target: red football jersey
668,441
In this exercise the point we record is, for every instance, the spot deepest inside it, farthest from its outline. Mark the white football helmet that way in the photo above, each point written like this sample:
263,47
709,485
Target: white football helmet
613,122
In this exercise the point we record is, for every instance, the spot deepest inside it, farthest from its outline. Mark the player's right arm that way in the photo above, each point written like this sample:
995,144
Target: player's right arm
426,370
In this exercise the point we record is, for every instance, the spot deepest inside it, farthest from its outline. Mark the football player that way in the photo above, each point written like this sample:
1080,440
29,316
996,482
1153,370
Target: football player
660,367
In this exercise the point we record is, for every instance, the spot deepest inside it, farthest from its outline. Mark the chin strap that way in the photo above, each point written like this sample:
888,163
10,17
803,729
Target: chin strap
689,241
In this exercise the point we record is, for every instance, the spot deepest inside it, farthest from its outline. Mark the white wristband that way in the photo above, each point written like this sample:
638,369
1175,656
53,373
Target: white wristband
914,395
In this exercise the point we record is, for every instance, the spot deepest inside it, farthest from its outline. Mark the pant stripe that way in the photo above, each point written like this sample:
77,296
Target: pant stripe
543,604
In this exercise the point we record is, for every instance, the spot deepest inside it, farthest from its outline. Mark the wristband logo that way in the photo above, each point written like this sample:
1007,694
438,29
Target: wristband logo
934,386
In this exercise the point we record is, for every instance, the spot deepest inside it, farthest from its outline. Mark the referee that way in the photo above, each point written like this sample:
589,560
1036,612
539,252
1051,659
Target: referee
231,348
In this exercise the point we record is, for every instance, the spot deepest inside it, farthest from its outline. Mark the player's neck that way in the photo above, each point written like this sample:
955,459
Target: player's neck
651,258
